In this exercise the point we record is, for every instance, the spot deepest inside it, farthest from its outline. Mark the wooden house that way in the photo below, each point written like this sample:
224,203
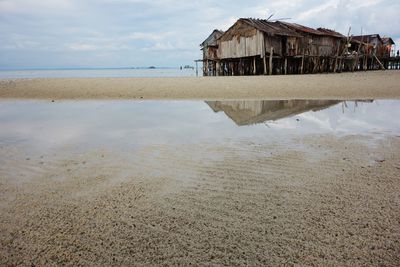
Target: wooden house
373,40
388,44
210,47
317,42
320,48
257,46
252,46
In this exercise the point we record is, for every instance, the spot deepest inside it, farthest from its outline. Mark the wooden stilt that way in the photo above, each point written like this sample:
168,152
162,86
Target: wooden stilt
265,64
285,66
254,66
372,63
270,60
379,62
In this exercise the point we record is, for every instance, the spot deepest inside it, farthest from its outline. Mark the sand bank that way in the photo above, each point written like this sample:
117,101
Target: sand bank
360,85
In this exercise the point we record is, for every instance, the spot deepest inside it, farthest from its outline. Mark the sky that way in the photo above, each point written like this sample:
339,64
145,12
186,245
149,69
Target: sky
164,33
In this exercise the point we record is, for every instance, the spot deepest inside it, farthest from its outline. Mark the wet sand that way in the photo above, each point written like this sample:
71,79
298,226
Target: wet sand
124,185
360,85
319,200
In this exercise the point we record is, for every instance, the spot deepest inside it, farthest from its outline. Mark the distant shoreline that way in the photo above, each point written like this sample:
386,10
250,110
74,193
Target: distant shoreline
88,68
359,85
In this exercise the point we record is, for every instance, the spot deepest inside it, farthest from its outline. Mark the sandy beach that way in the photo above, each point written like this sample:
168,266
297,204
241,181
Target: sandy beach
141,194
360,85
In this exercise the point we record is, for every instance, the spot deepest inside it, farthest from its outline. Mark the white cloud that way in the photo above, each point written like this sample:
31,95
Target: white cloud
148,36
83,47
313,12
32,6
127,30
166,46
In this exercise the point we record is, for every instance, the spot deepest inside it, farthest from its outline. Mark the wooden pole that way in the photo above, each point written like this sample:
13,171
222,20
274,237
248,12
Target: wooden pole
254,66
336,59
264,51
265,64
285,65
372,62
270,60
380,63
302,63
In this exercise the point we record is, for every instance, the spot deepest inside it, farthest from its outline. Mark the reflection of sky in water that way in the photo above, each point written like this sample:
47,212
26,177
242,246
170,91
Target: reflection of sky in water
132,123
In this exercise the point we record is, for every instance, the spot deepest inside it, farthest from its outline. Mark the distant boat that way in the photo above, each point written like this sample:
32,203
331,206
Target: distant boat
152,67
188,67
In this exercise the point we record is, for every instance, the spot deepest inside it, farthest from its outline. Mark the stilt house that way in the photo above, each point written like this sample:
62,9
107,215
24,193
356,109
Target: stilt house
210,48
388,44
258,46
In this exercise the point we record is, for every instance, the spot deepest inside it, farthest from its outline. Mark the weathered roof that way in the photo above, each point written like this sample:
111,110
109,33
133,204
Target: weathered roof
271,28
331,33
387,41
268,27
308,30
366,38
212,38
301,28
281,28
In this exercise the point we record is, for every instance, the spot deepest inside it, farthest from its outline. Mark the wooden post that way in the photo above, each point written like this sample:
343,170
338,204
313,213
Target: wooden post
265,64
365,62
336,60
372,63
270,60
379,62
285,66
316,65
302,62
254,66
264,53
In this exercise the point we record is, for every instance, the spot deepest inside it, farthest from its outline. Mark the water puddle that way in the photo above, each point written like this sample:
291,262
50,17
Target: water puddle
87,123
37,134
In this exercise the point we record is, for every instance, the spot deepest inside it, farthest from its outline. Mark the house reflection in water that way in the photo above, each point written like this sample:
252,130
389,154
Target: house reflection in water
247,112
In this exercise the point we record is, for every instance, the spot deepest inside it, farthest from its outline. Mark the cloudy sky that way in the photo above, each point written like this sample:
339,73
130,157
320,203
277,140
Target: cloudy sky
119,33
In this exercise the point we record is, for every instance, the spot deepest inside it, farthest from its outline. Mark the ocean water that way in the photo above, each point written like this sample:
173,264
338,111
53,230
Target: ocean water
97,72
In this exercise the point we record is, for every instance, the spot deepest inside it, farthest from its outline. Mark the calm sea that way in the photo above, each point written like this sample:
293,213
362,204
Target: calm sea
99,72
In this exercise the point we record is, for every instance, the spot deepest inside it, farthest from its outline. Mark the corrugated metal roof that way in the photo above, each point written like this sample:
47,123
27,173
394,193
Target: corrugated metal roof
281,28
212,38
387,40
366,38
301,28
331,33
271,28
308,30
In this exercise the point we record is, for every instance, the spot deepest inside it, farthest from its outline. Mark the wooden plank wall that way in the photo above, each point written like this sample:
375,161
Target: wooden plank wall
241,46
